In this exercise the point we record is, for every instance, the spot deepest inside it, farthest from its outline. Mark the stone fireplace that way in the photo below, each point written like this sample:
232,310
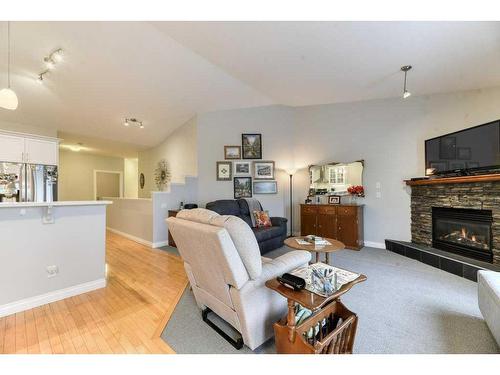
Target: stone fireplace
458,216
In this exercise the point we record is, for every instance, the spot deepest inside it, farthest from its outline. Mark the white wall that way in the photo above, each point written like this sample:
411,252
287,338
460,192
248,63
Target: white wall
178,149
131,178
217,129
76,173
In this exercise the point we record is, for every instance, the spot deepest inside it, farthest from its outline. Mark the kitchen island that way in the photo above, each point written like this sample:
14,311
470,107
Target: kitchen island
50,251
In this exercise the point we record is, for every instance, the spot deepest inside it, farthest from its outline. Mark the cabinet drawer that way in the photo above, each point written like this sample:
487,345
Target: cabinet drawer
347,211
327,210
309,209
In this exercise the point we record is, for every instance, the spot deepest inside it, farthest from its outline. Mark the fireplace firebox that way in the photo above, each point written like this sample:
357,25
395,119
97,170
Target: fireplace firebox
463,231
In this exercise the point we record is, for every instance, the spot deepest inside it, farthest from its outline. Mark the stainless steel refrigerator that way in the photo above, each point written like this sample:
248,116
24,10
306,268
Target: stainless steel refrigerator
20,182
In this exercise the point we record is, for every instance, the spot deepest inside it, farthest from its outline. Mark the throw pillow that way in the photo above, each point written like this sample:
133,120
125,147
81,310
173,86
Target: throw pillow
262,219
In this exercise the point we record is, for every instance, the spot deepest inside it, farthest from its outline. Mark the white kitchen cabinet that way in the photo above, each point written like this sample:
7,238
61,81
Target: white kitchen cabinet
41,151
11,148
19,148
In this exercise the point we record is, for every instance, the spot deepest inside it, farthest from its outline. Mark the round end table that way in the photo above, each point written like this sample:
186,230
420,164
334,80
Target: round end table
326,249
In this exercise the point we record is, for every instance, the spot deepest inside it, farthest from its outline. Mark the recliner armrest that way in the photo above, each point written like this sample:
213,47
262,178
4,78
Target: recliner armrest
280,265
278,221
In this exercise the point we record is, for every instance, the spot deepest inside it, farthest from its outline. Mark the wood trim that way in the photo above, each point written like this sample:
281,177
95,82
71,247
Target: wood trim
455,180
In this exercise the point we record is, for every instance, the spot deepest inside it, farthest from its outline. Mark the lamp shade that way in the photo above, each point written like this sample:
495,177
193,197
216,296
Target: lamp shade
8,99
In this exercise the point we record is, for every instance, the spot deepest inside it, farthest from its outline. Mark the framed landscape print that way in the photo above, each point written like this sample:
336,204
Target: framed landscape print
242,187
224,170
263,170
242,168
232,152
251,145
265,187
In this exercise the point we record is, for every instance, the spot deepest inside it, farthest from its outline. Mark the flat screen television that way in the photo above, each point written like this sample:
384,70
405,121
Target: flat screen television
471,149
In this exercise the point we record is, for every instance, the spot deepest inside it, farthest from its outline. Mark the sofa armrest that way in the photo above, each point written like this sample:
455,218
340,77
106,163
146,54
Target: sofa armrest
280,265
278,221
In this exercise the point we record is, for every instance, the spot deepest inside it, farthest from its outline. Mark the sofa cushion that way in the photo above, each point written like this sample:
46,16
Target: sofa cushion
244,241
266,233
224,207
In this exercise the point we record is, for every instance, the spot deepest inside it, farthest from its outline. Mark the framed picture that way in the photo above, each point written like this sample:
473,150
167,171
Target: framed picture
439,166
334,199
464,153
242,168
263,170
472,164
224,170
265,187
242,187
448,148
232,152
251,145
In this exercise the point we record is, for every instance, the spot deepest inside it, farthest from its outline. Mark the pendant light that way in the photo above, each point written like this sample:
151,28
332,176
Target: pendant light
8,98
406,93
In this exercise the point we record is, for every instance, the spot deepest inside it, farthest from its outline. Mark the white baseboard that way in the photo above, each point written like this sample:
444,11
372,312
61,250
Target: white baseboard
159,244
131,237
57,295
377,245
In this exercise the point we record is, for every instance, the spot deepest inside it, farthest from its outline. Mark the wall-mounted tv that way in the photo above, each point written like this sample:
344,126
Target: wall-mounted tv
466,150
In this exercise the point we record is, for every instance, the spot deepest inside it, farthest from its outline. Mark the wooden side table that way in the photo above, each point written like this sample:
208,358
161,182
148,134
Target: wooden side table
285,329
326,249
171,242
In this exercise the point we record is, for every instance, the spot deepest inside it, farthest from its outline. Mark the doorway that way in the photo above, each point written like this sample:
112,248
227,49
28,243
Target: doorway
108,184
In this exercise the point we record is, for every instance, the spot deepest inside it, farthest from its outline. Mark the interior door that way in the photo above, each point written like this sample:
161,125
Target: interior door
11,148
41,151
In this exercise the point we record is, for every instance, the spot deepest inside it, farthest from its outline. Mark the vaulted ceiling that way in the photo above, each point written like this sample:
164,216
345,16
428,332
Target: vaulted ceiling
164,73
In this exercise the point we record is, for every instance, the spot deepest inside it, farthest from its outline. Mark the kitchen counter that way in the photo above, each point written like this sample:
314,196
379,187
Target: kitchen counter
52,204
50,251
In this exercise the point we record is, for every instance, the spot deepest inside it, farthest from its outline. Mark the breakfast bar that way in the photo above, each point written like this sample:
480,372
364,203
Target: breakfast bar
50,251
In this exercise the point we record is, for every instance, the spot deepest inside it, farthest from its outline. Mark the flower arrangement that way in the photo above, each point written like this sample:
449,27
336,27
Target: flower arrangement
356,190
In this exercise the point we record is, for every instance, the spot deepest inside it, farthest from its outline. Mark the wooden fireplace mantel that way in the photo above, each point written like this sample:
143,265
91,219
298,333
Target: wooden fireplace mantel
455,180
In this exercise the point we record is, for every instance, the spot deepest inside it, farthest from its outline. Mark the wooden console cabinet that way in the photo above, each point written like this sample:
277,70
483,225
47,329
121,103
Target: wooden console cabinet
341,222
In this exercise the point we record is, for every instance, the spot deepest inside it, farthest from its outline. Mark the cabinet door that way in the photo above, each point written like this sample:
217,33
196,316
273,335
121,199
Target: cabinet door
11,148
348,230
327,225
308,224
41,151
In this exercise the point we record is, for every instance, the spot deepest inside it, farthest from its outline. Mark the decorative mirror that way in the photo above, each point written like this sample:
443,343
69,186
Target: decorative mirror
335,178
162,174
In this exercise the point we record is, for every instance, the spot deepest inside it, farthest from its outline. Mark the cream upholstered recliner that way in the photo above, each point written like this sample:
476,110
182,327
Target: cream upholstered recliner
227,273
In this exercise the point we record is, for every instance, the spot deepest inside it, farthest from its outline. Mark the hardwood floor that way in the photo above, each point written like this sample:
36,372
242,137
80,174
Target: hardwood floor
127,316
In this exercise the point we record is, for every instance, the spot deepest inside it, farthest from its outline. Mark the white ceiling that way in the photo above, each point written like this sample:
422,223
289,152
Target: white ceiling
164,73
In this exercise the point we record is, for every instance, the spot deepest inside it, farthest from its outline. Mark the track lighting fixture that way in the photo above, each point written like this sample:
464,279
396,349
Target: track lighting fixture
50,63
405,69
133,121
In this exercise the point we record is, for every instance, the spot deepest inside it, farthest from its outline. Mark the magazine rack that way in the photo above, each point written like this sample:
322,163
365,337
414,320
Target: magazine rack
338,324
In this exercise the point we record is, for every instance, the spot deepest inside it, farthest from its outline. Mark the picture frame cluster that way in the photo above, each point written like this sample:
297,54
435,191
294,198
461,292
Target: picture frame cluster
249,176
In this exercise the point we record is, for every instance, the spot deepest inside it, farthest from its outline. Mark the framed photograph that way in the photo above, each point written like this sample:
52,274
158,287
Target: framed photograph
251,145
242,187
448,148
334,199
232,152
439,166
472,164
242,168
265,187
263,170
224,170
464,153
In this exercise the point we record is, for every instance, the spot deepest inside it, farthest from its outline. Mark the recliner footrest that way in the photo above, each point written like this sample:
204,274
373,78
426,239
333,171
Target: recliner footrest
238,343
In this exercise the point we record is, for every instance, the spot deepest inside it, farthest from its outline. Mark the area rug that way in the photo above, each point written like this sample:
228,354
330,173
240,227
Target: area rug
404,307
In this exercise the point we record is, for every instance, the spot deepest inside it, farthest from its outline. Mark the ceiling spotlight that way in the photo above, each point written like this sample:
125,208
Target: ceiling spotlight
57,55
405,69
133,121
49,63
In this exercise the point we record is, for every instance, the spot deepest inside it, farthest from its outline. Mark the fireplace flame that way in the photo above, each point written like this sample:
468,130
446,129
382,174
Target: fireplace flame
473,238
464,233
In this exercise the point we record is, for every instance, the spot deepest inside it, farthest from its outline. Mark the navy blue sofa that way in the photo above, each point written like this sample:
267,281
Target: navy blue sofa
268,238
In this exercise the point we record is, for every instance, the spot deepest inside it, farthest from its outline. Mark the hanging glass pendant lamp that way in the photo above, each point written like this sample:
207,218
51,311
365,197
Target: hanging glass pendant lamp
8,98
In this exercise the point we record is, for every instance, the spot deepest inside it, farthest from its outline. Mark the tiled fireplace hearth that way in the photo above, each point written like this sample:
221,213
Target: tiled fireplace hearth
472,230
